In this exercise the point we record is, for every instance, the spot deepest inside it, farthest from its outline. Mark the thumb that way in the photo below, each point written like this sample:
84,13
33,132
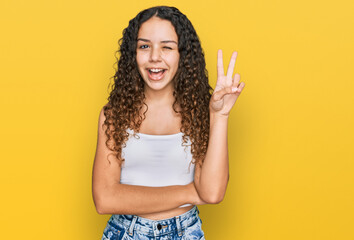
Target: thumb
220,94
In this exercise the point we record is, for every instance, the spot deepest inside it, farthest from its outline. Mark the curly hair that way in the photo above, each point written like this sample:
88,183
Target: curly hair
192,91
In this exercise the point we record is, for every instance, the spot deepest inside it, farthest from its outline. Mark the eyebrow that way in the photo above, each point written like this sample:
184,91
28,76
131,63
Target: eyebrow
165,41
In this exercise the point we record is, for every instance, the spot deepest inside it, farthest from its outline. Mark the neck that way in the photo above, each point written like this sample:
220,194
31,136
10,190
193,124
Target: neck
161,97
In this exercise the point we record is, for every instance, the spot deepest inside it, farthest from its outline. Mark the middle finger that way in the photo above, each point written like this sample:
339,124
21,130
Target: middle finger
230,70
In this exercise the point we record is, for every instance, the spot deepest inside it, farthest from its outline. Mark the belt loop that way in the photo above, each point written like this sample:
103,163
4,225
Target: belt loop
131,228
178,223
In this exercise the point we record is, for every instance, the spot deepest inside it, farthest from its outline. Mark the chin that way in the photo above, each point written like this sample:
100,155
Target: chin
158,85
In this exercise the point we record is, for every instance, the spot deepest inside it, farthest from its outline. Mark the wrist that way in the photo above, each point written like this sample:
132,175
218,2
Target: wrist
215,117
218,115
192,195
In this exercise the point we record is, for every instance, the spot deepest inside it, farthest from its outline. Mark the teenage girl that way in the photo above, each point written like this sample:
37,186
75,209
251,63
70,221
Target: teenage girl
162,137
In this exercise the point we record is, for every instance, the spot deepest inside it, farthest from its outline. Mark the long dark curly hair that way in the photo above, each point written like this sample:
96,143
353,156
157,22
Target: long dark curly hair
192,91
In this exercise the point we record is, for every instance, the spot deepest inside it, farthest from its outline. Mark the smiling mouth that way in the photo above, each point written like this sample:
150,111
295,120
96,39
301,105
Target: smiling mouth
156,73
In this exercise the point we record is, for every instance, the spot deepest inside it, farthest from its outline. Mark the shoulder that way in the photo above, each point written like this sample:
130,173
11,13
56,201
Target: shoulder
102,119
103,109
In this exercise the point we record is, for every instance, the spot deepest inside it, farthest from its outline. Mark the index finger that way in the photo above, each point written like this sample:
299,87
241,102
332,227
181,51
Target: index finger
220,64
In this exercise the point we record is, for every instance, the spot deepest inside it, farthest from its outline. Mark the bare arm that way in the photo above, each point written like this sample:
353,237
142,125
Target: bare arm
211,179
111,197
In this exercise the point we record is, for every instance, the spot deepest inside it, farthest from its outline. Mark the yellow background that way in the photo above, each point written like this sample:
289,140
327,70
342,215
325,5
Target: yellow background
290,132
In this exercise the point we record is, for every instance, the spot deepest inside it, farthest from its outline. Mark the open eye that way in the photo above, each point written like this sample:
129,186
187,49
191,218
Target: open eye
144,46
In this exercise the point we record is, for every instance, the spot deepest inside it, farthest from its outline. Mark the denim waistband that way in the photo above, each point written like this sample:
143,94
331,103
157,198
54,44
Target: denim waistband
157,227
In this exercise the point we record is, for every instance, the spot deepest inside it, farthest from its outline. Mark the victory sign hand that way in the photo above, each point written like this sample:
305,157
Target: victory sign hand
227,88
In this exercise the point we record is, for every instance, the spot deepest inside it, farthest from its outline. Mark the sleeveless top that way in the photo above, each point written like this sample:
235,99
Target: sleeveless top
156,160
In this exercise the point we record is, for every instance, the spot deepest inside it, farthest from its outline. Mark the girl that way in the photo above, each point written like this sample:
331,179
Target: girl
162,136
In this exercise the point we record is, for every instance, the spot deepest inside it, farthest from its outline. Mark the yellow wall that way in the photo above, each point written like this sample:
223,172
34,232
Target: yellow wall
291,131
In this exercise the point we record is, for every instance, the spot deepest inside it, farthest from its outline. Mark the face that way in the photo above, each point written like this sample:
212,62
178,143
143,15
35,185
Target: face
157,54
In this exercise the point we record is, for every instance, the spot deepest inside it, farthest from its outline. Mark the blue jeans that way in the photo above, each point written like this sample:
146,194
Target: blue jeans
187,226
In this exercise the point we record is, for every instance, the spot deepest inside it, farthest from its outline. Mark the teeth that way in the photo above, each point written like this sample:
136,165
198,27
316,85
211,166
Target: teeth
156,70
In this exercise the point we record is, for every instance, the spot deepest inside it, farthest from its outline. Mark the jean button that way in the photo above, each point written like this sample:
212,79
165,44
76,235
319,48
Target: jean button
159,226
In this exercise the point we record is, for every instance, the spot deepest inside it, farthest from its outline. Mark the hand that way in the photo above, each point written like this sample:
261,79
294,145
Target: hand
194,197
227,88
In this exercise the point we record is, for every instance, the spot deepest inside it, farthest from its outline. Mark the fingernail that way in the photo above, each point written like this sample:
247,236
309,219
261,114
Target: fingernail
234,89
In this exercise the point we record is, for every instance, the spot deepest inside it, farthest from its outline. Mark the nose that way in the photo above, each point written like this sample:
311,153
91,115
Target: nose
155,55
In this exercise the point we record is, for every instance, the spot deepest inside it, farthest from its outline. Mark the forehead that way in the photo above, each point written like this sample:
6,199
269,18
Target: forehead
157,29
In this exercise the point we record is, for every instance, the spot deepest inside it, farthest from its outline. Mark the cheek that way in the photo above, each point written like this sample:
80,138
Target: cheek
140,59
140,64
174,60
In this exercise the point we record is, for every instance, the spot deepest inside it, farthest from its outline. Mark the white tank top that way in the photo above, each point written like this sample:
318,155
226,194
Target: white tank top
156,160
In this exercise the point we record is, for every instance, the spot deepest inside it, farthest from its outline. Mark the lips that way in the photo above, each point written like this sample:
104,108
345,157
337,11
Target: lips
156,74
